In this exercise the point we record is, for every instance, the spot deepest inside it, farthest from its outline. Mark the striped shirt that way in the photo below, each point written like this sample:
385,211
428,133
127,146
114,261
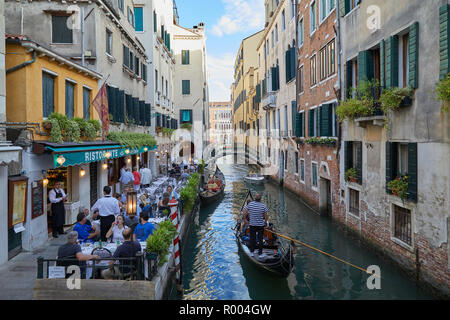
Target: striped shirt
256,211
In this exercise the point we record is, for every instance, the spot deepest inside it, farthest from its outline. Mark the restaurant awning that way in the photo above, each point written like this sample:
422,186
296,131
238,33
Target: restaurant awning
71,154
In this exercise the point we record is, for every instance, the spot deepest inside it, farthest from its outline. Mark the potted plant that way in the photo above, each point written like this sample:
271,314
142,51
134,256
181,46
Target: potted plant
351,175
392,99
362,103
399,187
443,92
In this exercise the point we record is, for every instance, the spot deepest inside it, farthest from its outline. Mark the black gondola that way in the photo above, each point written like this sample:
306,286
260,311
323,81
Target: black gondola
278,260
207,196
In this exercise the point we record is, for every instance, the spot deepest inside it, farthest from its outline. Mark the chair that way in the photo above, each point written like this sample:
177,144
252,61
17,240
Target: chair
102,252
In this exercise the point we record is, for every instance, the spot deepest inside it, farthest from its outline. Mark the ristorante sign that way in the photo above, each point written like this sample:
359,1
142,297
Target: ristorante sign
73,158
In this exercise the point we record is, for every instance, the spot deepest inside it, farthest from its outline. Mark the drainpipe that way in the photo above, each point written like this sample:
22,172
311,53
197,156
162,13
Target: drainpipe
22,65
339,91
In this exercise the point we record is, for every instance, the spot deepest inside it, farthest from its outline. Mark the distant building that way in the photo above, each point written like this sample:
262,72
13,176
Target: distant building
221,126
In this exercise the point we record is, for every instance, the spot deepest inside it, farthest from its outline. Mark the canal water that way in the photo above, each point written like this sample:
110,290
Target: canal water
214,268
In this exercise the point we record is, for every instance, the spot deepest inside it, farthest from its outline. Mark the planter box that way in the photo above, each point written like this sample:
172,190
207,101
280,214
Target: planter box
406,102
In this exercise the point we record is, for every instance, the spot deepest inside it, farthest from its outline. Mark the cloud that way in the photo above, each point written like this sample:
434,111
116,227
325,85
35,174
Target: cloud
240,16
221,76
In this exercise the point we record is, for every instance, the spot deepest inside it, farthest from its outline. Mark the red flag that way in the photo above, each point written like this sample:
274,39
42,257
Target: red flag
100,104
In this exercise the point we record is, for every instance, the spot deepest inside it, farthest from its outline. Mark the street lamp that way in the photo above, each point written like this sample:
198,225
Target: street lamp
132,203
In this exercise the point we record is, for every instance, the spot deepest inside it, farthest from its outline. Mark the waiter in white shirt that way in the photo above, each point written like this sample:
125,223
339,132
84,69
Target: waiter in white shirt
146,176
57,198
108,208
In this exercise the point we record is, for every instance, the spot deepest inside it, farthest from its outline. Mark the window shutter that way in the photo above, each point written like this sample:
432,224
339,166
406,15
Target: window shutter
444,38
273,71
112,102
365,66
298,124
311,123
412,171
278,77
293,63
414,55
142,114
382,64
358,146
326,120
348,78
391,162
155,23
288,65
129,107
392,62
348,146
121,106
147,108
344,7
293,117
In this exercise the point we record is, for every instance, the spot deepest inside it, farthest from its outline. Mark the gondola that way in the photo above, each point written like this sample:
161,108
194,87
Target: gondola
278,259
208,196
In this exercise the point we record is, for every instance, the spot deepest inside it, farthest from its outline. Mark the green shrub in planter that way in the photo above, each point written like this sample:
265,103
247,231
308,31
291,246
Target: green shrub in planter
391,99
443,92
399,187
351,174
72,132
186,126
55,133
161,240
353,108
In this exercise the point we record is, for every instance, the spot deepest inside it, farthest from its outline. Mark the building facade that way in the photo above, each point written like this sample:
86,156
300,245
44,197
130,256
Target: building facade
387,47
191,92
315,160
221,126
244,89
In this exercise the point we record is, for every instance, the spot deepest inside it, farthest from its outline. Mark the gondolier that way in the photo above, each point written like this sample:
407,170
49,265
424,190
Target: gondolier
57,198
256,213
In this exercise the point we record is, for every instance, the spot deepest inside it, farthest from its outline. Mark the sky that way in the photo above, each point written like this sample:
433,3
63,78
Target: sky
227,23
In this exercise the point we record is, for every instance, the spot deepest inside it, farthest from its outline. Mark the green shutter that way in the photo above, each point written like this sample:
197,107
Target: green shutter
382,64
344,7
392,62
348,78
293,63
414,55
293,117
288,65
391,162
298,124
311,123
444,38
365,66
412,171
155,23
359,159
326,120
274,78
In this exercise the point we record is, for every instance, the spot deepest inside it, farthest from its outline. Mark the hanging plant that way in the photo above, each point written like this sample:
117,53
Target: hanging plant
186,126
132,140
362,103
72,132
55,133
61,119
392,99
443,92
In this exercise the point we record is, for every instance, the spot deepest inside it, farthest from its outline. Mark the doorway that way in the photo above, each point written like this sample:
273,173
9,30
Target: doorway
325,201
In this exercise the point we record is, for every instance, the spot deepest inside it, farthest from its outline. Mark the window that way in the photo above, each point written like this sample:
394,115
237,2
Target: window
155,22
108,42
130,16
139,19
131,66
185,57
86,103
120,5
353,158
326,6
402,166
301,79
186,86
302,170
292,9
283,20
314,174
48,94
61,33
286,160
353,205
137,65
327,61
296,162
276,33
312,18
144,71
402,224
70,99
273,39
126,56
313,71
403,74
156,80
300,33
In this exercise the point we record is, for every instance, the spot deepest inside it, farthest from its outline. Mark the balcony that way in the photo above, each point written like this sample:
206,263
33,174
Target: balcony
269,101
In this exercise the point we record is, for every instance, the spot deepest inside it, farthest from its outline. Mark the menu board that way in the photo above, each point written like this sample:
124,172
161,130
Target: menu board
17,200
37,199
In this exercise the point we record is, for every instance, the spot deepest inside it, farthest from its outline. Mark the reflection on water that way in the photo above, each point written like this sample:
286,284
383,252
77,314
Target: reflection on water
214,267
